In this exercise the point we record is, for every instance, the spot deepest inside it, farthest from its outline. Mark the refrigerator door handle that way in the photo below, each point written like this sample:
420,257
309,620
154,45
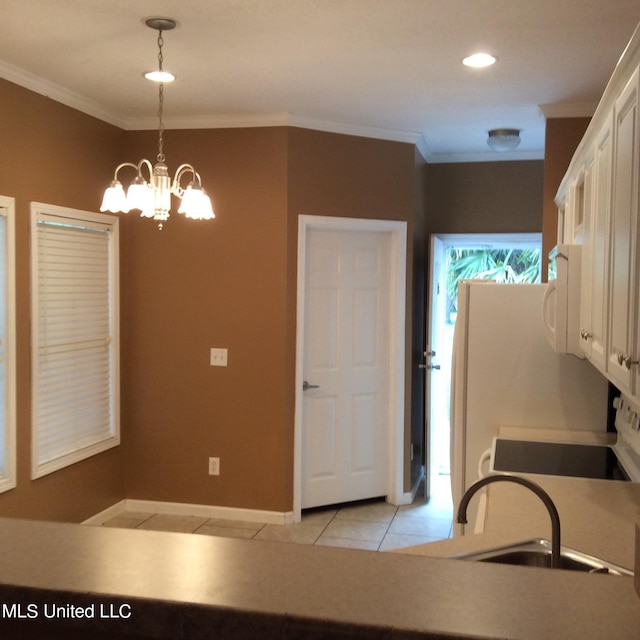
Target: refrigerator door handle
547,313
485,457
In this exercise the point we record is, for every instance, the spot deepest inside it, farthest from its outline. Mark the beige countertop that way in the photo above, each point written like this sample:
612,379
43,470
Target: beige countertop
597,517
179,586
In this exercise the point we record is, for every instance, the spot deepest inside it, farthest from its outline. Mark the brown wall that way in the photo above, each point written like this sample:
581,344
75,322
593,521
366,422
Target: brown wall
192,286
241,270
52,154
562,137
348,176
232,283
226,283
196,285
485,197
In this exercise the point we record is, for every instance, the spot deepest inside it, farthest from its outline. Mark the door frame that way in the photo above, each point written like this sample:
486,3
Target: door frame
521,239
397,344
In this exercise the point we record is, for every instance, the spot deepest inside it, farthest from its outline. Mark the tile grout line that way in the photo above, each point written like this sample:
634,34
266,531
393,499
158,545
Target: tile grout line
333,517
395,515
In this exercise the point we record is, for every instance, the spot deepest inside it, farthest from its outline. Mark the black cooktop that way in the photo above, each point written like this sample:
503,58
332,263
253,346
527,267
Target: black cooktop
558,459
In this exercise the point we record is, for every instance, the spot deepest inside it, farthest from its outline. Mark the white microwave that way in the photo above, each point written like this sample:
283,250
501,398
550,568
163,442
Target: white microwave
561,304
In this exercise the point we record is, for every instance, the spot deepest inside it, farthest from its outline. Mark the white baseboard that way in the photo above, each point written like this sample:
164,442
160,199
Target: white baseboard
110,512
184,509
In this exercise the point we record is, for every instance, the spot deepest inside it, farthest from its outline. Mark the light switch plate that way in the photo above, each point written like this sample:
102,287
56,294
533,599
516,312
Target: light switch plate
218,357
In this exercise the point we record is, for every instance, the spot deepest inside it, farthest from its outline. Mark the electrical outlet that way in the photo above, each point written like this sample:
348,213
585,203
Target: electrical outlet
214,466
218,357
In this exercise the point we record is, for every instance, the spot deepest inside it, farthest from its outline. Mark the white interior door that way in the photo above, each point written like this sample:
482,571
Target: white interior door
345,421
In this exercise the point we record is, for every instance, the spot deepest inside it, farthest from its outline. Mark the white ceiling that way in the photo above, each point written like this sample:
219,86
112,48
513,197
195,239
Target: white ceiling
383,68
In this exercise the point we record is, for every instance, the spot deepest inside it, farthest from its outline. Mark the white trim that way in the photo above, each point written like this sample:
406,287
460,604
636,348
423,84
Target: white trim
485,156
212,121
531,240
410,137
474,156
41,211
186,509
46,88
8,480
108,513
398,231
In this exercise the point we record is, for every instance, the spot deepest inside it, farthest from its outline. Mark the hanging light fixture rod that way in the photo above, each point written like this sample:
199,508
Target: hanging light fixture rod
153,198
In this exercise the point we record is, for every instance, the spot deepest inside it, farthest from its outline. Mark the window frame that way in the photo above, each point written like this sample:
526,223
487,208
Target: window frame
42,213
8,477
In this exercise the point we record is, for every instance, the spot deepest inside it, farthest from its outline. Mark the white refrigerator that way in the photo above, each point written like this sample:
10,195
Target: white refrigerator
505,373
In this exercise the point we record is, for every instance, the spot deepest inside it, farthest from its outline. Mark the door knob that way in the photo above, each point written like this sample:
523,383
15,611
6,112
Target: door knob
306,385
428,366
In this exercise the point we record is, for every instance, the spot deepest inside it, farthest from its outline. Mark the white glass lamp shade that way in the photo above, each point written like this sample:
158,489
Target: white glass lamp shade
148,211
139,195
503,139
114,199
196,204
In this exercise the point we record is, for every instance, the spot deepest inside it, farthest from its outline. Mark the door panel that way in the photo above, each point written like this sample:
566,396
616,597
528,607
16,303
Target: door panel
345,418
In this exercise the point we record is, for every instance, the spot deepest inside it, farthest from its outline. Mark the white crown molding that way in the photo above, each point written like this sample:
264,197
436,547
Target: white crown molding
219,121
423,148
479,156
485,156
53,91
225,121
230,121
354,130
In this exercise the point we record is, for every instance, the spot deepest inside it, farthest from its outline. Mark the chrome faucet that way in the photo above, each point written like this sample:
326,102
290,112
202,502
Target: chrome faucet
537,489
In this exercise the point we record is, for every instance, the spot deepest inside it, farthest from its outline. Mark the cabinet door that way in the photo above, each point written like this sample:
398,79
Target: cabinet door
622,340
595,301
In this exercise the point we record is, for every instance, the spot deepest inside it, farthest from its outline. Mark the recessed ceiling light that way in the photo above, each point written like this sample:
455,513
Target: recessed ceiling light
479,60
159,76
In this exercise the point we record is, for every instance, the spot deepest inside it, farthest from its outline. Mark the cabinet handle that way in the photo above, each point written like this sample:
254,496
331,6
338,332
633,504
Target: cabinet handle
585,335
624,359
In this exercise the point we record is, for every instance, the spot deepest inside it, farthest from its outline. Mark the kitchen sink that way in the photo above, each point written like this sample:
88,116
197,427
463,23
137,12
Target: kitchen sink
537,553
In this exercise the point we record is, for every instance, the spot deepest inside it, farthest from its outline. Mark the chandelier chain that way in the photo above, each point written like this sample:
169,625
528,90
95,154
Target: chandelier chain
153,197
161,156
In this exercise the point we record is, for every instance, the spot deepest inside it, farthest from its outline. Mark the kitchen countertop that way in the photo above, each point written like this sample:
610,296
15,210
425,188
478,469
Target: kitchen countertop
172,585
598,517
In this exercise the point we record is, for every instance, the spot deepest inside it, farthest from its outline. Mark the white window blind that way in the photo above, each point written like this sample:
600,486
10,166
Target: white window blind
7,346
75,324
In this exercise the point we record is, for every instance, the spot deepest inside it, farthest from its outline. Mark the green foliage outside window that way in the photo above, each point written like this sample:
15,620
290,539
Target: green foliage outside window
501,265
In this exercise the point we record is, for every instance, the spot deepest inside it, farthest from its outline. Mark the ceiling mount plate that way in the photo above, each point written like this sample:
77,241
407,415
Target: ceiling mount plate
161,24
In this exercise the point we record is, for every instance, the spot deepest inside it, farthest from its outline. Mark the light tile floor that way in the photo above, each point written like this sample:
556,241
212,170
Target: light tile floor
372,525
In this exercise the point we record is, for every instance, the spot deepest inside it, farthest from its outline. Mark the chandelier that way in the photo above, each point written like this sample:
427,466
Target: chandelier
153,198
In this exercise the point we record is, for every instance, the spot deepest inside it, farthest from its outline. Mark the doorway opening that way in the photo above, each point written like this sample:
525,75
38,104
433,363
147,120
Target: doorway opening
513,257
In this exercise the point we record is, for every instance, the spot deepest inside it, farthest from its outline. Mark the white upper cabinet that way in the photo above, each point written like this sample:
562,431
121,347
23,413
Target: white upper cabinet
622,343
599,202
595,254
